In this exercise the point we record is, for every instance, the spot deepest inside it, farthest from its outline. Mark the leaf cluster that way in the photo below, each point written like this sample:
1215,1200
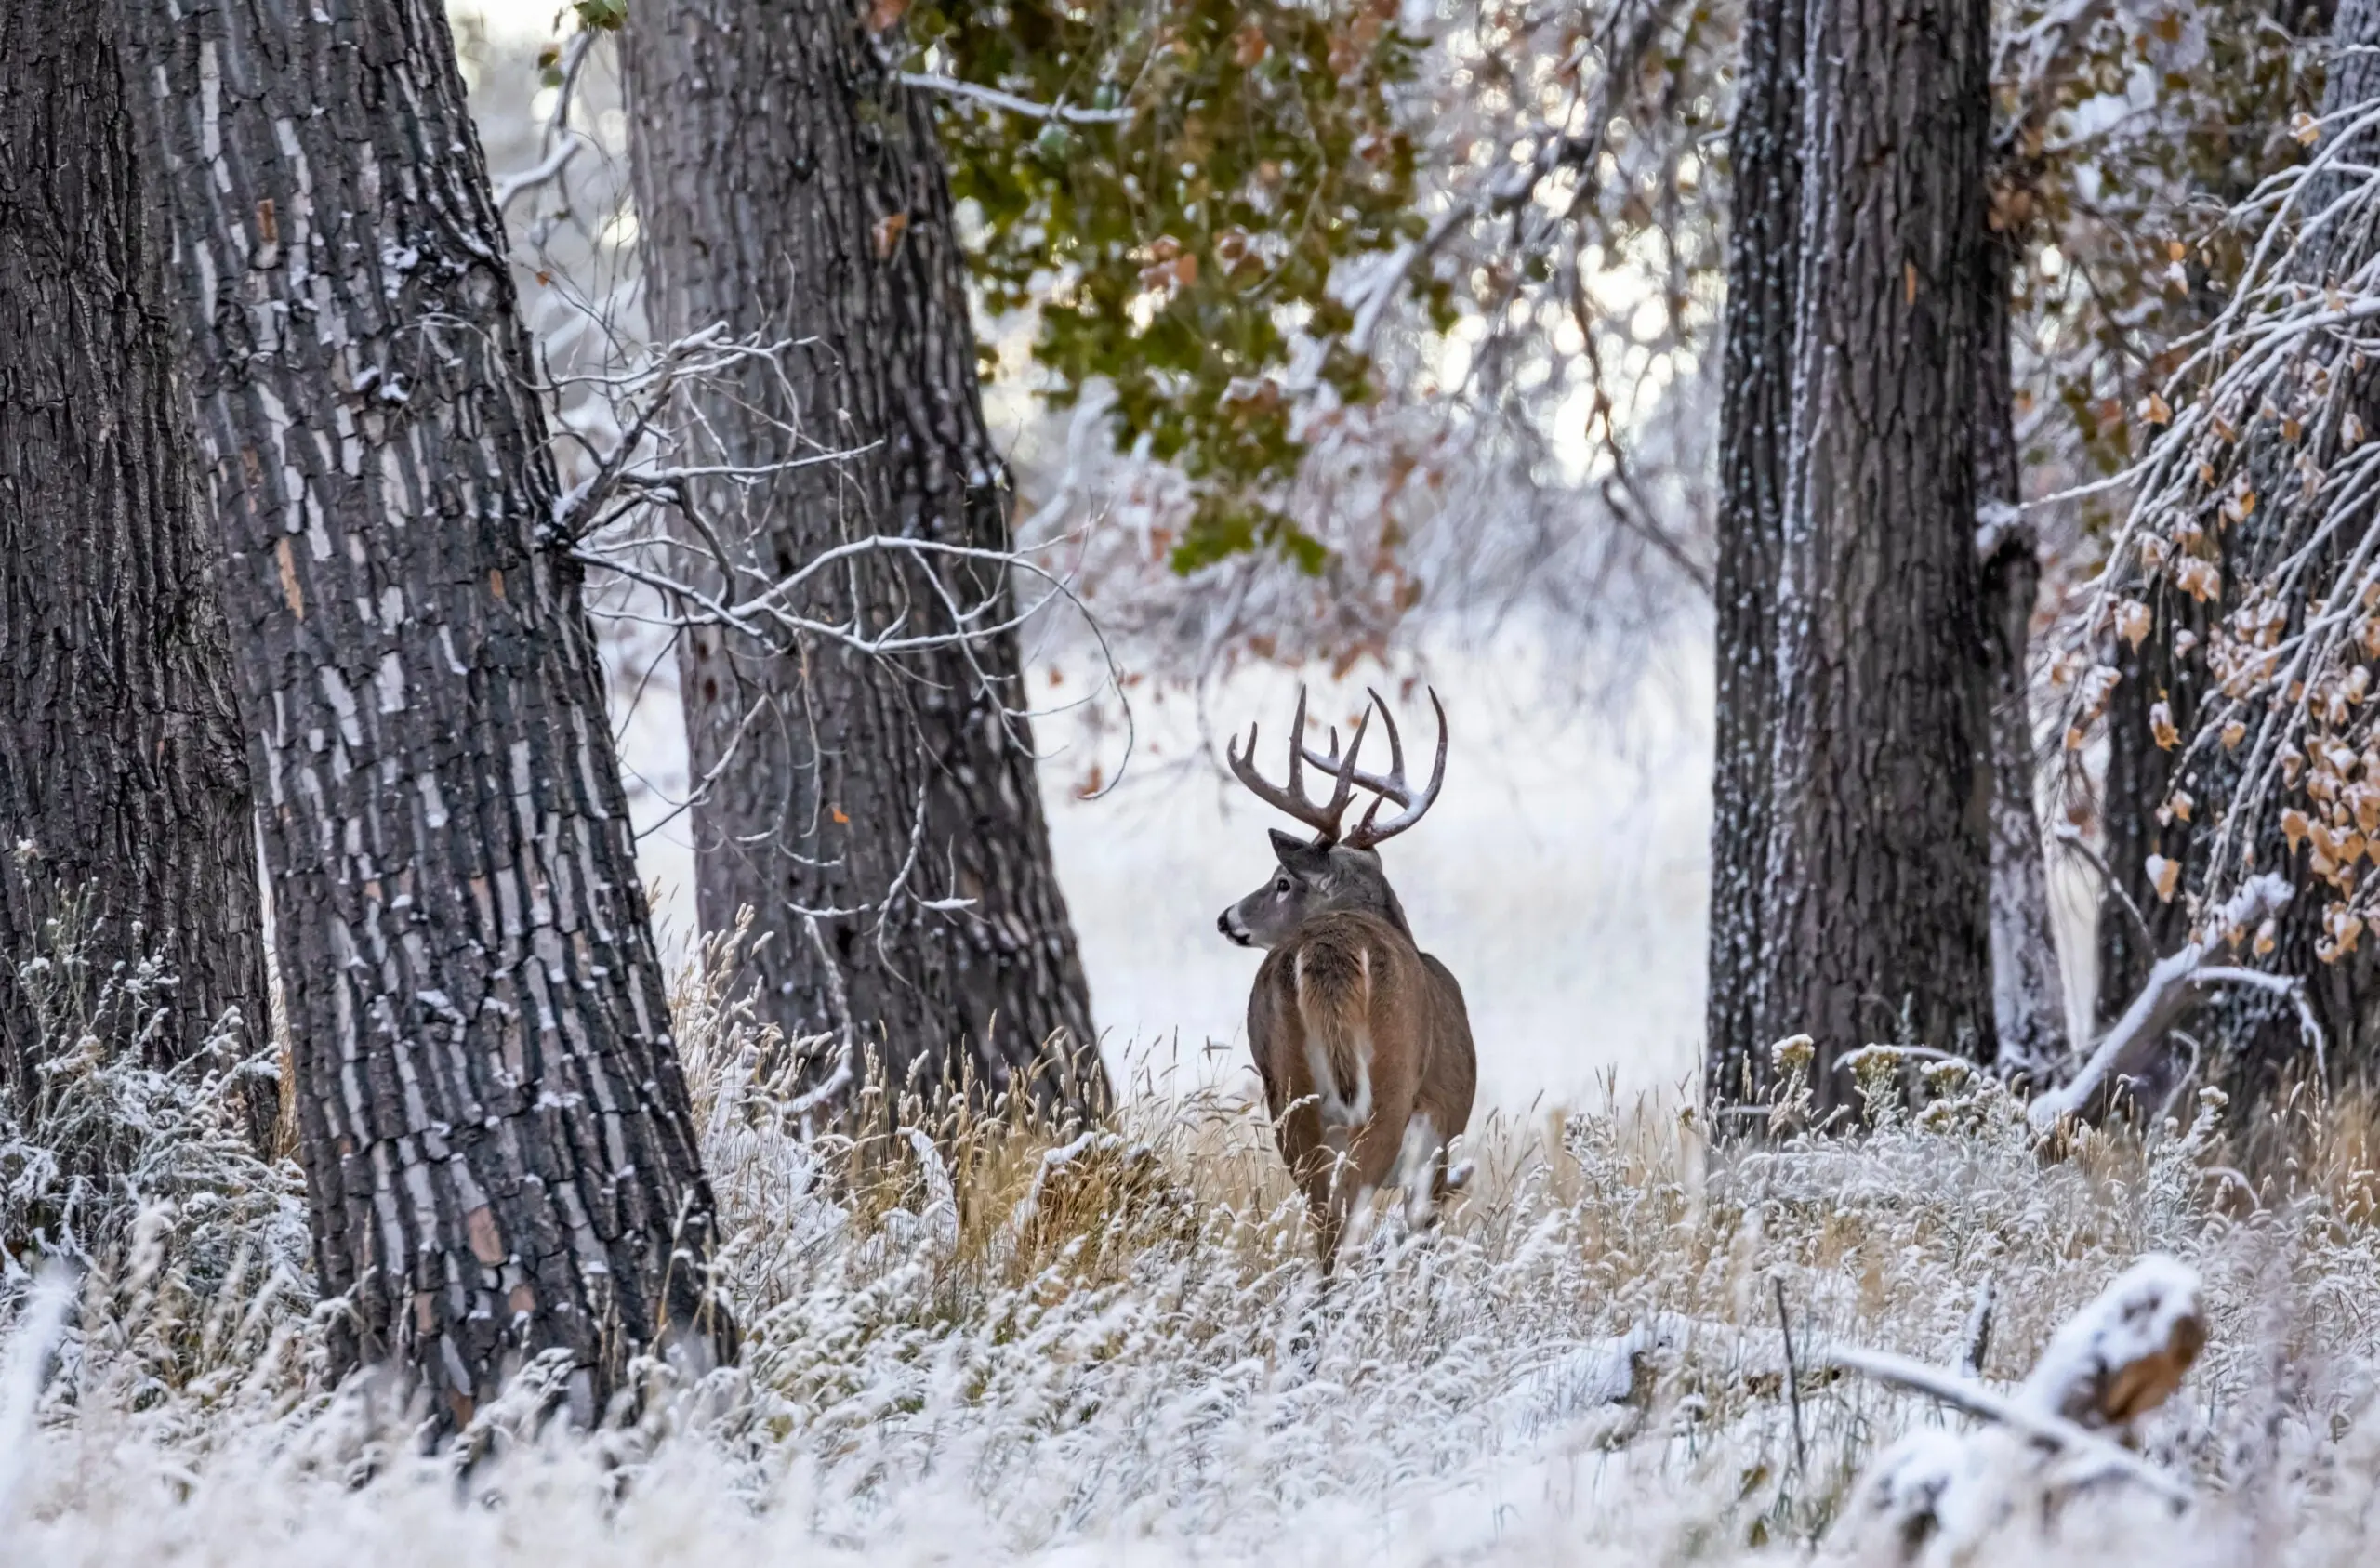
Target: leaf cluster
1185,257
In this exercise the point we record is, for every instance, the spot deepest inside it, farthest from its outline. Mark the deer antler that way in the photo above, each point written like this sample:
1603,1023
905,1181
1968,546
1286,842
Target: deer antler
1393,785
1323,818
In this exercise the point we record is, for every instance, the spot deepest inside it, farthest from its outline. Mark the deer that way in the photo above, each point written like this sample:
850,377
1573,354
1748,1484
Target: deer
1361,1038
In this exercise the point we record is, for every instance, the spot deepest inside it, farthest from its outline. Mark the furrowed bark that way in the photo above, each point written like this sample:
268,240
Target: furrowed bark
124,777
498,1139
789,185
1755,419
1874,914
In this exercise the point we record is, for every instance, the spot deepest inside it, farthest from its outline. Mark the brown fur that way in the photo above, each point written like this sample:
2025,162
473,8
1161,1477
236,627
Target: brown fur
1394,1039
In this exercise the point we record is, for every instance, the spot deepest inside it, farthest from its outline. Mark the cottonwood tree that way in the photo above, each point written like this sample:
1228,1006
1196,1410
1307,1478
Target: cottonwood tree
871,795
499,1151
124,776
1871,888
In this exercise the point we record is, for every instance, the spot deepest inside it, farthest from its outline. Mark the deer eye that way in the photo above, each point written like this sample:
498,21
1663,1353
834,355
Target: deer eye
1282,886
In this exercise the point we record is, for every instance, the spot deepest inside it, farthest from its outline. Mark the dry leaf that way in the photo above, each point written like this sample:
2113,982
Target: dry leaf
2131,622
2198,578
2233,733
2161,727
2164,876
2294,827
887,234
883,14
2156,410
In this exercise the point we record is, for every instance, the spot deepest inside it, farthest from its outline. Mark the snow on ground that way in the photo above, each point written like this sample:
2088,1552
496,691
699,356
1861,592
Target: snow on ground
1121,1355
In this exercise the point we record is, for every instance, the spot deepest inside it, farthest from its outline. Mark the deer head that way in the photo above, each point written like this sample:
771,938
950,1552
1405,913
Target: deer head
1330,871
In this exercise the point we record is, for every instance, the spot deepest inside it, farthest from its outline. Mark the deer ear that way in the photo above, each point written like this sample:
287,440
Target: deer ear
1292,852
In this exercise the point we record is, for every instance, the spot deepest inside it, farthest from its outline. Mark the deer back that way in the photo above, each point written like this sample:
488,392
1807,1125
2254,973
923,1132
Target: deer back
1338,1012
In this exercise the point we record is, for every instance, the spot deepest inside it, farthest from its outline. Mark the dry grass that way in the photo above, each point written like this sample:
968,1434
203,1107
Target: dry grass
987,1339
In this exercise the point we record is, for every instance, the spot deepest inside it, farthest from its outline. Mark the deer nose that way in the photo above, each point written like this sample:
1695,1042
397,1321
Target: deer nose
1230,931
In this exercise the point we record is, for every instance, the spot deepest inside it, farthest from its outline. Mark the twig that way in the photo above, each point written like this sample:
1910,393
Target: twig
1979,1328
952,87
2071,836
1792,1377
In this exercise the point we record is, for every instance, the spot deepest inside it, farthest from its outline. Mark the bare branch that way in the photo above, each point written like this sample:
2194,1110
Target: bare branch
951,86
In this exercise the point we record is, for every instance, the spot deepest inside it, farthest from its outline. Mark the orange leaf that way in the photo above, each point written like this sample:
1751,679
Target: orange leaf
887,234
836,813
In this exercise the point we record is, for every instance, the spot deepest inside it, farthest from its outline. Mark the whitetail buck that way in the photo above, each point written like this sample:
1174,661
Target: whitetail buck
1360,1037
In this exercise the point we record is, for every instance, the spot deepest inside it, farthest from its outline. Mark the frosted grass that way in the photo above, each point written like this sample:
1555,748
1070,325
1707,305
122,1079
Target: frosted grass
1037,1346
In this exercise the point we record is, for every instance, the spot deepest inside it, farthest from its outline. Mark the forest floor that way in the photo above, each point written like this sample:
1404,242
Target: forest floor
1023,1346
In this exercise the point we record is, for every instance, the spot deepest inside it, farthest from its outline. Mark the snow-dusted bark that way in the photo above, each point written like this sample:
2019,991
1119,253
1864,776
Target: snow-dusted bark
1873,921
1755,433
123,780
498,1139
791,186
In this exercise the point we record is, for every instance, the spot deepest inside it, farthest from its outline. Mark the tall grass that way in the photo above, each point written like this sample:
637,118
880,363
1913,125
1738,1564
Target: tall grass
983,1338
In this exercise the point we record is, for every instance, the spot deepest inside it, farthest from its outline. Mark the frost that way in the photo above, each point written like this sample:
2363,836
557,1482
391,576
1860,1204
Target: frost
1069,1344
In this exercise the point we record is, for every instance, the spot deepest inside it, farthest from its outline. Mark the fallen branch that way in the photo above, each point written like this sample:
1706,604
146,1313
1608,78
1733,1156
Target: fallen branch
1974,1399
1938,1496
2175,985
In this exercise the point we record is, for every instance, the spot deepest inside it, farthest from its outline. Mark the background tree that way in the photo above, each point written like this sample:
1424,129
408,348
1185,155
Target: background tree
876,806
124,777
498,1147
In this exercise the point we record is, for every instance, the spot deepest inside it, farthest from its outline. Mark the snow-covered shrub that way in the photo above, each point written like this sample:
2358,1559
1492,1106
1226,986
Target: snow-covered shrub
104,1136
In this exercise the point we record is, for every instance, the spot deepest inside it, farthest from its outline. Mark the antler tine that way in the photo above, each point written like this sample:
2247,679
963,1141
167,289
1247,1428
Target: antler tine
1392,784
1323,818
1396,742
1369,831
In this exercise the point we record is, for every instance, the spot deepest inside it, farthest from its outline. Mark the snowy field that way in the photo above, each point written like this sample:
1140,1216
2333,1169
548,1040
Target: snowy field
1118,1354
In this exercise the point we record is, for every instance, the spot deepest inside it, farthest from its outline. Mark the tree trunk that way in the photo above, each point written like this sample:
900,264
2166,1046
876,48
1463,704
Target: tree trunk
1874,917
123,780
498,1145
789,186
2028,995
1755,419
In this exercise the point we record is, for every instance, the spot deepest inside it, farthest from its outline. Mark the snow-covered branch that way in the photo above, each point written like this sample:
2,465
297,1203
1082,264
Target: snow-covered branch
2176,985
952,87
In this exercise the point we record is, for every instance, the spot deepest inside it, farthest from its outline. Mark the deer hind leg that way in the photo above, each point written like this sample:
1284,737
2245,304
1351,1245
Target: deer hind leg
1370,1164
1421,1171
